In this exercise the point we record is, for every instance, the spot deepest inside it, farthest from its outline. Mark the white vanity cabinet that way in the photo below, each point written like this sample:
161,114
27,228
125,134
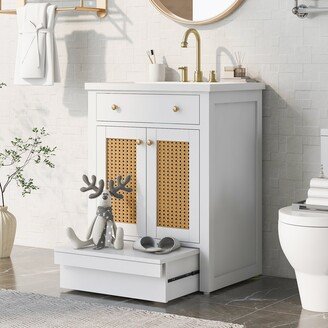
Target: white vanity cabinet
194,154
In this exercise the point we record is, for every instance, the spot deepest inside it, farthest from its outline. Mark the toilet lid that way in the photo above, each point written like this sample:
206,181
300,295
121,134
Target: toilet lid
303,218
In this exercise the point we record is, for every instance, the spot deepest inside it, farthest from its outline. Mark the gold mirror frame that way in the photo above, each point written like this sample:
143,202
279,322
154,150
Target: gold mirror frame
162,9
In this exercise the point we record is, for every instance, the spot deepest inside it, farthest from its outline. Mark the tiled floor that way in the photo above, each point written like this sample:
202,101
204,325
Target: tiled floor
264,302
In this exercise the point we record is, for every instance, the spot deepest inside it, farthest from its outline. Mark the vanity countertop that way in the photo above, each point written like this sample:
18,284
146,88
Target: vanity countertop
175,86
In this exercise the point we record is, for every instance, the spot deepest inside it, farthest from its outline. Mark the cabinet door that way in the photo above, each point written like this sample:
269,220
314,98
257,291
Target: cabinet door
122,151
173,184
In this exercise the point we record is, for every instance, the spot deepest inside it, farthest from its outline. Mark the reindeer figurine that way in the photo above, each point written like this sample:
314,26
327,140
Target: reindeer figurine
103,224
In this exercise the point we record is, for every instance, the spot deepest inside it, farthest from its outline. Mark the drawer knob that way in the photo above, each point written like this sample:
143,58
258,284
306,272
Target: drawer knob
149,142
114,107
138,142
175,109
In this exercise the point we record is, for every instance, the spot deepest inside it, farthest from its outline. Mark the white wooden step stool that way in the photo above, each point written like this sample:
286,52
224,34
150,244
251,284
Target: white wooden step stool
130,273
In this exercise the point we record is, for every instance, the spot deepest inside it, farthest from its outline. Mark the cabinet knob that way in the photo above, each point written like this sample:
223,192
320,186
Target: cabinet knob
138,142
114,107
149,142
175,109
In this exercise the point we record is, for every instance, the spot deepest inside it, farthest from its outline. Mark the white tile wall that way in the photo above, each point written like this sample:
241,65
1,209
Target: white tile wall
290,55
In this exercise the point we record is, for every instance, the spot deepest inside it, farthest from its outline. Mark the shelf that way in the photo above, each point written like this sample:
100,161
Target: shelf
100,9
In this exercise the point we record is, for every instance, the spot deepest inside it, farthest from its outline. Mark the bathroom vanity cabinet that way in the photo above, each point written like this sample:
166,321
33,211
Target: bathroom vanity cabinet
194,153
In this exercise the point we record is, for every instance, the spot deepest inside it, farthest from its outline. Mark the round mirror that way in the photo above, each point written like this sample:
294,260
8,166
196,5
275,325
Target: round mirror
196,12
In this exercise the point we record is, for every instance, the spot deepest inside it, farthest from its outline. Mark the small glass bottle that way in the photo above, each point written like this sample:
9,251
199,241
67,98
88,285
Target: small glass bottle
240,71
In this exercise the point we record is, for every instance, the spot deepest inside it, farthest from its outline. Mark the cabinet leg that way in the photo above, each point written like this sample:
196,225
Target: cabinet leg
206,293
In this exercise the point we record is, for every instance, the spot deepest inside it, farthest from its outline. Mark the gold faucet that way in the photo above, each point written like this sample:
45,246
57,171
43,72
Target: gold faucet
198,76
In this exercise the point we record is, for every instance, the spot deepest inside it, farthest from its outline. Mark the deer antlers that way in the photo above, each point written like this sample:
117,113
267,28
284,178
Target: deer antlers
92,186
121,186
113,190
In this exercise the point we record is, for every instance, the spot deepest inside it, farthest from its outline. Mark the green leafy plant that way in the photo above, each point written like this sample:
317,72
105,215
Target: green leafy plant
20,155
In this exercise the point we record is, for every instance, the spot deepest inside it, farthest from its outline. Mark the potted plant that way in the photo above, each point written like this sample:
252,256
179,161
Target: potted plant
13,161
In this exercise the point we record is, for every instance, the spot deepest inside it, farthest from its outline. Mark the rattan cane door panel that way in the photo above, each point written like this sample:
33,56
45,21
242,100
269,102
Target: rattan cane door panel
173,184
121,159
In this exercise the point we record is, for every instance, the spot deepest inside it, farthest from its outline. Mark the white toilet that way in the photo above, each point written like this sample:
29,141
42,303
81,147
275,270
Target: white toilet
303,237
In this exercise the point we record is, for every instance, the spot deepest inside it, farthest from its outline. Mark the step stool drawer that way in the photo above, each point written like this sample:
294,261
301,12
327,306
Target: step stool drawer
129,273
174,109
112,265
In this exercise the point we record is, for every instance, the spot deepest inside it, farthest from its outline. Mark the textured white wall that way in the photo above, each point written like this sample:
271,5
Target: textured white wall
290,55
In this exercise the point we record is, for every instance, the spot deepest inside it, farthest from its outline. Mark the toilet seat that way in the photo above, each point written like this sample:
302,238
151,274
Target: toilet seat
303,218
303,237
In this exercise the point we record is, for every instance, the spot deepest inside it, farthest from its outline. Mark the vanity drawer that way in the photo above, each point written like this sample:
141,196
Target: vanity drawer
176,109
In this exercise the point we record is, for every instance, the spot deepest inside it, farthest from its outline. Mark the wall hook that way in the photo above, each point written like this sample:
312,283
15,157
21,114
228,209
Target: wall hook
297,10
303,11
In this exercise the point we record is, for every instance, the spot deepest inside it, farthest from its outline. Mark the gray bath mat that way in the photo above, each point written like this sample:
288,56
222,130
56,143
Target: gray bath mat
21,310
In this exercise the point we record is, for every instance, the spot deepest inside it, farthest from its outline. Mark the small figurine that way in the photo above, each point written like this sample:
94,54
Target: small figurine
103,225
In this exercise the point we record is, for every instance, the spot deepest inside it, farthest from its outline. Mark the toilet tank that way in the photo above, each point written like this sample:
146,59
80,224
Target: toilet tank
324,150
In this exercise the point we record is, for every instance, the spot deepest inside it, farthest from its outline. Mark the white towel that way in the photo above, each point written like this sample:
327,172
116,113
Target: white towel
33,41
317,201
36,60
319,183
318,193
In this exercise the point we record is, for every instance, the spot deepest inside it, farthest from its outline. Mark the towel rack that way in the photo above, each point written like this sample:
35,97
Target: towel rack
100,9
302,11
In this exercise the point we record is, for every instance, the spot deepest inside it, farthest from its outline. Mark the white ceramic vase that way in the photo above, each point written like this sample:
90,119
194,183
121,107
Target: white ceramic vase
7,231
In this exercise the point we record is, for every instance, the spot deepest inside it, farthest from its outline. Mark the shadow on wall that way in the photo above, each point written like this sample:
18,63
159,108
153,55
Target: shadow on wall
87,58
86,52
119,20
171,74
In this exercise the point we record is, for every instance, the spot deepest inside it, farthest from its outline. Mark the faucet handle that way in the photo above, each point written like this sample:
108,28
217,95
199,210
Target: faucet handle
198,76
212,77
184,73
